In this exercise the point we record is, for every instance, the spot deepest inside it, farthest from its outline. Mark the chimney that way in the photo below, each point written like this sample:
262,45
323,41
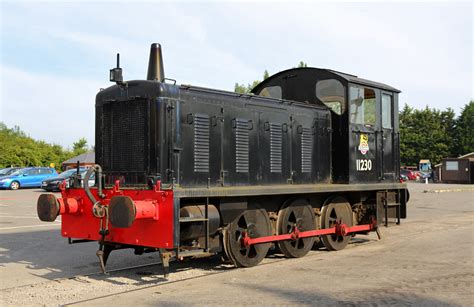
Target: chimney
155,64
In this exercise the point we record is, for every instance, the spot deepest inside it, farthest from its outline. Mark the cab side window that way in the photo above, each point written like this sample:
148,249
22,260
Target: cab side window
387,111
271,91
331,92
362,106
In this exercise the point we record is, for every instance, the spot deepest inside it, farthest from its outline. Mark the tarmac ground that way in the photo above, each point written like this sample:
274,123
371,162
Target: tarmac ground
427,260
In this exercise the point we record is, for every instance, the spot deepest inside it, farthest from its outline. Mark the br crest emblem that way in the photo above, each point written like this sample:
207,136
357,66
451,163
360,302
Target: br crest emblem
364,144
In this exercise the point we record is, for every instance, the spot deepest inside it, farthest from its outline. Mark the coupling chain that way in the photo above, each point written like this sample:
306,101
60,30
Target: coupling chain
104,217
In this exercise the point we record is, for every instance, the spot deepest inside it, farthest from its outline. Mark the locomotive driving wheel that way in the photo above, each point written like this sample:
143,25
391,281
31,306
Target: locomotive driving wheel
296,215
254,224
337,210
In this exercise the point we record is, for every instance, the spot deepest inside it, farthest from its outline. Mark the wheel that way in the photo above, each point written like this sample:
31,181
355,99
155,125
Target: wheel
338,209
256,224
297,214
15,185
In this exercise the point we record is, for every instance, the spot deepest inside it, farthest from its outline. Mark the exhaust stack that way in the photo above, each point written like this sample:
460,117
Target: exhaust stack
155,64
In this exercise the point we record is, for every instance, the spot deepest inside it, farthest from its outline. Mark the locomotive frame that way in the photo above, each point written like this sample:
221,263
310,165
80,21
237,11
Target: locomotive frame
311,155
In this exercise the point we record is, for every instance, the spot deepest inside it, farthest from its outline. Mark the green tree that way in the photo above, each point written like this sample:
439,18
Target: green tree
18,149
448,123
265,75
240,88
465,129
302,64
426,134
245,89
408,136
80,146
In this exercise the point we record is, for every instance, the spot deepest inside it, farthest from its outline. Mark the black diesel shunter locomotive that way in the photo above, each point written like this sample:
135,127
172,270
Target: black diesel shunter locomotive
311,156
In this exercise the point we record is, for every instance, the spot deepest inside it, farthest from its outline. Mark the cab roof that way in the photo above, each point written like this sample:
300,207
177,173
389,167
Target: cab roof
312,73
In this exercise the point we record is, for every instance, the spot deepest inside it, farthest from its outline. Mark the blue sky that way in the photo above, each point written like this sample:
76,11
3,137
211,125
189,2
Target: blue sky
55,56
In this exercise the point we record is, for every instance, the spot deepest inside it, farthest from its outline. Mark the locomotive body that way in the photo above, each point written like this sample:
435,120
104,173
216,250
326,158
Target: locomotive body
196,137
311,155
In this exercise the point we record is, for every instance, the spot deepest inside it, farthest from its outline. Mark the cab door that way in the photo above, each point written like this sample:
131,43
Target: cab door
387,137
364,153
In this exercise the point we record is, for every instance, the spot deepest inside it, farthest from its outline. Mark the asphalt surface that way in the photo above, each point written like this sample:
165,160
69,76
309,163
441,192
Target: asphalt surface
428,260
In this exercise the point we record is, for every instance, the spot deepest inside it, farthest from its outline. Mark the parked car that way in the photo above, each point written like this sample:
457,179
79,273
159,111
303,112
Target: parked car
27,177
403,178
412,175
52,184
424,174
8,171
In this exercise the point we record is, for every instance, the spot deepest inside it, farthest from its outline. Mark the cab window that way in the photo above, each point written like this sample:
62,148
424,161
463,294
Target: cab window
362,109
386,111
271,91
331,92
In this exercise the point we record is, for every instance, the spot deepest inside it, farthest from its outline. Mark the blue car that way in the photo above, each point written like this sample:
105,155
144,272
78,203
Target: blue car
27,177
8,171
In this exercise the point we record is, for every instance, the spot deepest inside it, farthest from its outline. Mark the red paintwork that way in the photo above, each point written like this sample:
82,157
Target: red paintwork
153,227
146,210
339,229
68,205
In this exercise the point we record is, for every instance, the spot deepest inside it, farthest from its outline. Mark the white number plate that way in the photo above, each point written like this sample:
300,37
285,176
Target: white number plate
363,165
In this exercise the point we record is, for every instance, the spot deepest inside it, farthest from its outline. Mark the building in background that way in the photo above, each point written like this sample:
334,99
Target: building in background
85,160
457,170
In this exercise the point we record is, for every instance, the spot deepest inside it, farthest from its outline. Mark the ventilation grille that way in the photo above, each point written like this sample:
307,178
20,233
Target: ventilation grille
241,145
124,136
276,139
306,150
201,143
